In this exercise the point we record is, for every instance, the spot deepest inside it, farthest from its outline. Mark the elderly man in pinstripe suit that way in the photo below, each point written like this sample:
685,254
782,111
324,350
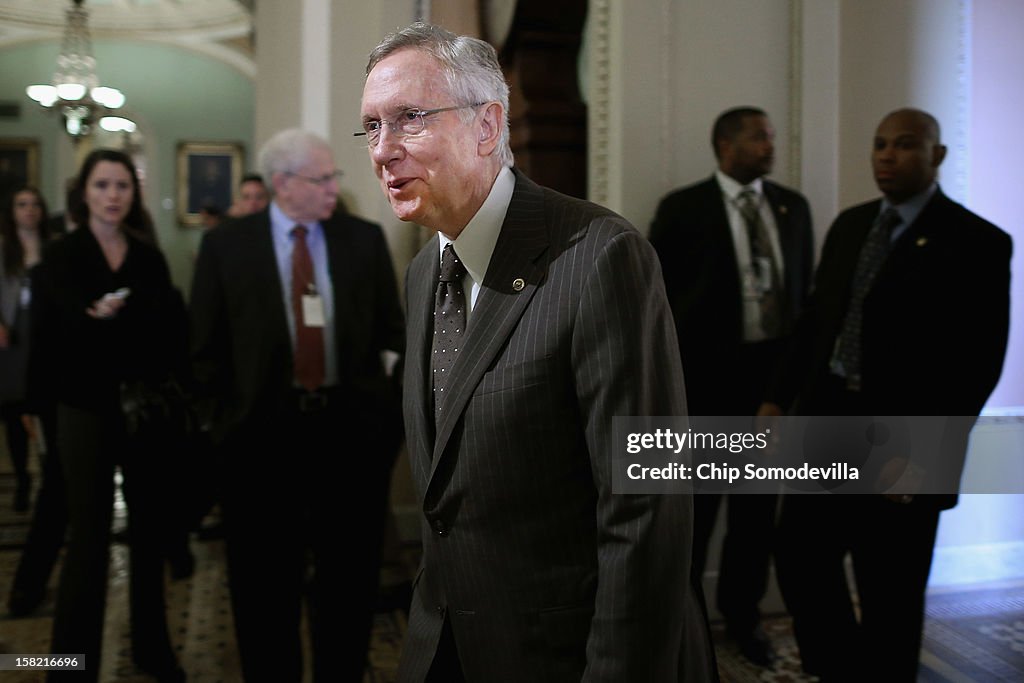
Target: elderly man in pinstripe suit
534,318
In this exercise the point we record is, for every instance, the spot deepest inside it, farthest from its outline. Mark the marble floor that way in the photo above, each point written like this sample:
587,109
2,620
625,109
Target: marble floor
973,634
199,617
199,612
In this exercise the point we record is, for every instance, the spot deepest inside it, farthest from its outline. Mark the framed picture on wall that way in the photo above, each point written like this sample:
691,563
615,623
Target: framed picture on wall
19,163
208,173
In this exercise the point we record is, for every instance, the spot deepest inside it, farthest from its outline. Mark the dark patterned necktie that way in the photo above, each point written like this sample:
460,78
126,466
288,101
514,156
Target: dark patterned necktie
309,340
449,322
762,258
869,262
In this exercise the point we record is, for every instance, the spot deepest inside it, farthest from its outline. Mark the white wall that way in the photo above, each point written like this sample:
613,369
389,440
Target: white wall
278,96
995,150
982,537
911,53
815,112
672,67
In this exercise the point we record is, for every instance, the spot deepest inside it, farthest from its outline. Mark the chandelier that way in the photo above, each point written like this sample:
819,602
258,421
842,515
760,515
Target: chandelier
75,91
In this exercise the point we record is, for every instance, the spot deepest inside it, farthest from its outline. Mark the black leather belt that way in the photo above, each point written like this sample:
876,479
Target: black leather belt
311,402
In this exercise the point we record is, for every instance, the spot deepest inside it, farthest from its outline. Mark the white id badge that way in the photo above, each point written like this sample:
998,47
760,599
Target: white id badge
313,310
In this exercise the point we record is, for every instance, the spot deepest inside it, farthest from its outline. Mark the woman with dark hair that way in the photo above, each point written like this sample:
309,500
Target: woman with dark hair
22,235
105,316
24,231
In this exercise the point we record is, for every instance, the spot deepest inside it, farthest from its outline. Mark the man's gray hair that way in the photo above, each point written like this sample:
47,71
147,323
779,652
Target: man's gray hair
470,67
287,151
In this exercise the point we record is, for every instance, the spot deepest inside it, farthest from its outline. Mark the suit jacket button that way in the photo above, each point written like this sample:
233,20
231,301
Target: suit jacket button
440,528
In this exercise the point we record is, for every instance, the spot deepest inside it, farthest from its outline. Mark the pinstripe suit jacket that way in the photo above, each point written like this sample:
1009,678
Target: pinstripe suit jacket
542,572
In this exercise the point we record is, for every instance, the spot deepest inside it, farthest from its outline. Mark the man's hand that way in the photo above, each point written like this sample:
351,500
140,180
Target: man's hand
29,423
903,476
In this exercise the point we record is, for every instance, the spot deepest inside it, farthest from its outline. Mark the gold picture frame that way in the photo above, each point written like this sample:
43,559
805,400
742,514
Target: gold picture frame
208,173
19,163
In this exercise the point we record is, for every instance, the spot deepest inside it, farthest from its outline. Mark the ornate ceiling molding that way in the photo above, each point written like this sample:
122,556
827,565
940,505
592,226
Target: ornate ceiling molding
220,29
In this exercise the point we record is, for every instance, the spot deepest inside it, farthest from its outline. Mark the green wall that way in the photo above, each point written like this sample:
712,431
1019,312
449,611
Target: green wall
173,93
19,67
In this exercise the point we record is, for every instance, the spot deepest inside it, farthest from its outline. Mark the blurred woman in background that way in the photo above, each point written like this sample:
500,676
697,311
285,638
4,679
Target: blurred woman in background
101,321
23,232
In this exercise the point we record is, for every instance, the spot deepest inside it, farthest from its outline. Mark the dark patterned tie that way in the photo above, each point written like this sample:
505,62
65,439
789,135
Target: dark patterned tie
762,257
309,340
449,322
869,262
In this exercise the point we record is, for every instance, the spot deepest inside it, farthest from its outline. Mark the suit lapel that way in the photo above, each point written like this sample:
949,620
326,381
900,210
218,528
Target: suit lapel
265,261
726,287
338,242
718,215
513,275
789,247
788,243
421,284
915,238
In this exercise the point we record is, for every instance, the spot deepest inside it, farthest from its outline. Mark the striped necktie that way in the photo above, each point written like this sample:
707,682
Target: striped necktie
847,359
765,269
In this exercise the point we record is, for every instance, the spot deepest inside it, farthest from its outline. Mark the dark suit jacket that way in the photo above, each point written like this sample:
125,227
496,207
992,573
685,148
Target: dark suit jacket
241,350
80,360
693,239
544,574
935,321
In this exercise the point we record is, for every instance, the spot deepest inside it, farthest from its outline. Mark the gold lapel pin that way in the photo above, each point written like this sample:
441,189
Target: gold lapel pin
518,284
783,209
921,241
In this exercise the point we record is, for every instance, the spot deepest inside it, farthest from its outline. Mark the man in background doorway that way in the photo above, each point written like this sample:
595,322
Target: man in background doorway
737,254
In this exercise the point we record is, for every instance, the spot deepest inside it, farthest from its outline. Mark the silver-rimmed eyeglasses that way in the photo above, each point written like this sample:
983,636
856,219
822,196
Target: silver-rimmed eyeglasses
332,177
408,123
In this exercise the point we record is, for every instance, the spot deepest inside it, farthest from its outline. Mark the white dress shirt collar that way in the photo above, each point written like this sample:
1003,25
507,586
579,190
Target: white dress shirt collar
475,243
732,187
281,225
910,209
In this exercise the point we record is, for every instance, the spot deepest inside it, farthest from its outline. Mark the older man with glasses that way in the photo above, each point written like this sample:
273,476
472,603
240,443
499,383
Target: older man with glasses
534,320
293,308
